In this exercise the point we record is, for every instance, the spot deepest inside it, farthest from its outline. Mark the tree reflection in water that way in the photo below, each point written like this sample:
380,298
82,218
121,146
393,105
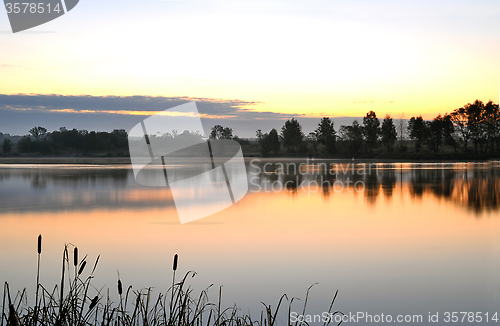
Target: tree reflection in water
474,186
471,185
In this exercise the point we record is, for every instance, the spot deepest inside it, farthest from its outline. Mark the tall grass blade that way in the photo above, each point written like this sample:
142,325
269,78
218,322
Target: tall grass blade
39,251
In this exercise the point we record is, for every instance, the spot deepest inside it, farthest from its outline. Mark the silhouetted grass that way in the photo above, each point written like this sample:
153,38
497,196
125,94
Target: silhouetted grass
73,306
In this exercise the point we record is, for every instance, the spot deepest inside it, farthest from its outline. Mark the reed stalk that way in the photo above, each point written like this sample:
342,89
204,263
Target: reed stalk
79,306
39,251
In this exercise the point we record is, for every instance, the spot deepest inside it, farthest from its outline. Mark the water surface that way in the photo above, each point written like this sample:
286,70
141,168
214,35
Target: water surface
412,238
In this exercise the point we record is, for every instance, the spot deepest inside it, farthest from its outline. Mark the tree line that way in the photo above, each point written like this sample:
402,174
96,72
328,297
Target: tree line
64,140
472,131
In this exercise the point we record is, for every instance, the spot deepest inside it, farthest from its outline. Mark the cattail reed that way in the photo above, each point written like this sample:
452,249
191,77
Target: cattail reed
84,263
65,257
120,288
75,256
93,303
39,250
175,262
174,267
39,244
78,308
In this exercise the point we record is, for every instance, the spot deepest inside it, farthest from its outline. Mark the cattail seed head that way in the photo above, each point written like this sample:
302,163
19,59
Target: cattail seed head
75,256
82,267
120,289
40,244
175,262
93,302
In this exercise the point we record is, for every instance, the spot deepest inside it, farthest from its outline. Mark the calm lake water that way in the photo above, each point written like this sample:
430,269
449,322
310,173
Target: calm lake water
393,238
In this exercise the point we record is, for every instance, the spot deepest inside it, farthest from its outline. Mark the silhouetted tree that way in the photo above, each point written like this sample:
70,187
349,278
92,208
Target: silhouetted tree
417,131
326,135
44,147
388,131
7,146
269,142
435,133
352,137
38,133
292,135
479,123
492,120
119,137
90,142
371,130
475,116
25,145
219,132
312,140
440,132
448,131
274,141
401,130
460,119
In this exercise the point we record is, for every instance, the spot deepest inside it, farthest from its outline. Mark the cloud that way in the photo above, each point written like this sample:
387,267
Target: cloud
20,112
134,105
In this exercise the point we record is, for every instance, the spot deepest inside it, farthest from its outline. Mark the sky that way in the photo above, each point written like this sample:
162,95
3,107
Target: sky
248,64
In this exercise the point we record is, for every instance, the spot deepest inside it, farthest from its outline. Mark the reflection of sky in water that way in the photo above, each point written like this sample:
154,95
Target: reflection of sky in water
73,187
417,239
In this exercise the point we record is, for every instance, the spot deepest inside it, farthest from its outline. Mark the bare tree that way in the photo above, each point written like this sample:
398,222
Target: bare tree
38,133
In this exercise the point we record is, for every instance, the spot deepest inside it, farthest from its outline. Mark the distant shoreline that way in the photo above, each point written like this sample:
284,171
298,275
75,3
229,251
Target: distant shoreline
64,160
126,160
